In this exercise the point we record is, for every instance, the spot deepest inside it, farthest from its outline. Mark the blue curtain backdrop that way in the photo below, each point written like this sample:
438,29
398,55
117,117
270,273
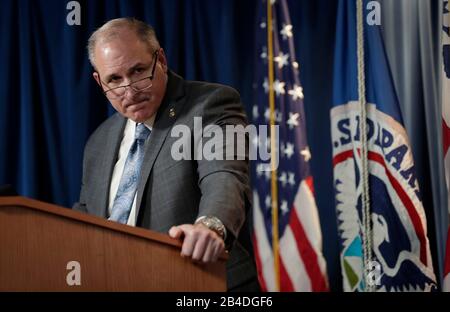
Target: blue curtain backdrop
49,103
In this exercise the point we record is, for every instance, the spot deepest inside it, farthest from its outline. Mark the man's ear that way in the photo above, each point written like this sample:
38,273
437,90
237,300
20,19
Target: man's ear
97,78
162,60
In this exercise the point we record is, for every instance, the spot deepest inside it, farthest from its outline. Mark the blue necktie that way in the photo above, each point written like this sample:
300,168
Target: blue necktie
130,177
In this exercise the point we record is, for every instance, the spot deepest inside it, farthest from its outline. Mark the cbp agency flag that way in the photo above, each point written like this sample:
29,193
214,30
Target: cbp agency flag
398,241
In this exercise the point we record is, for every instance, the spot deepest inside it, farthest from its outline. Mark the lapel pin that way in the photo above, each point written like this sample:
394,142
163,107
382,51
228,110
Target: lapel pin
172,112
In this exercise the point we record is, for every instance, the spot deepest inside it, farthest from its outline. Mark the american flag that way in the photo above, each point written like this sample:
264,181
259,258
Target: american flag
446,122
301,264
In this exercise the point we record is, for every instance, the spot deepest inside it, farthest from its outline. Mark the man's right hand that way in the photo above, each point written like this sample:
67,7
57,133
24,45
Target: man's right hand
199,242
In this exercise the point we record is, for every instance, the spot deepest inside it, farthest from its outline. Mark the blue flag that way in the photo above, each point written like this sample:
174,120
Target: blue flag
398,250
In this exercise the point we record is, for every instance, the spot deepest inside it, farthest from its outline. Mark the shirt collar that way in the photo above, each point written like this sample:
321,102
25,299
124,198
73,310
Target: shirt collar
148,123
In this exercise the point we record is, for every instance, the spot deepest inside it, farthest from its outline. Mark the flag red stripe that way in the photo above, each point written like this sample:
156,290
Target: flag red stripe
307,254
342,156
445,136
310,183
259,267
285,280
412,212
447,257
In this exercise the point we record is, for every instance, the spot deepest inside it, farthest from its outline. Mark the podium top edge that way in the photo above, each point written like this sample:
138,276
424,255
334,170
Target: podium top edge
67,213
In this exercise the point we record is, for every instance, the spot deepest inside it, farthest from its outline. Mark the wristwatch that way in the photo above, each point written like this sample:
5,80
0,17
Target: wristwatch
214,224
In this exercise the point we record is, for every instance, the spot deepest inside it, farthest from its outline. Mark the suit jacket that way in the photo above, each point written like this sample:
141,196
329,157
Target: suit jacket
174,192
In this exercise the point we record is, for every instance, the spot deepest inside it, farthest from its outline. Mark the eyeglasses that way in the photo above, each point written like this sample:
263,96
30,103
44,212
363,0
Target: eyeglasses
137,86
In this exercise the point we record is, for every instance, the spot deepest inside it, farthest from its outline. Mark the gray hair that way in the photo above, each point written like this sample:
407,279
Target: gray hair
112,28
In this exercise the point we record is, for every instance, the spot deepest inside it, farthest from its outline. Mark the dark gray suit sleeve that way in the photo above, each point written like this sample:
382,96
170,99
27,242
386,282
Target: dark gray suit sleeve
81,204
224,183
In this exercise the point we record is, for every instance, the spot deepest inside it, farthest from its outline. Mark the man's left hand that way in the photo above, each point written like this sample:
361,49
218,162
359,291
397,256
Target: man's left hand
200,243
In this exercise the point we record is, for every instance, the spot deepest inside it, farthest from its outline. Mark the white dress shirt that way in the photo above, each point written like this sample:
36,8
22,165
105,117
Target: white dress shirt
125,145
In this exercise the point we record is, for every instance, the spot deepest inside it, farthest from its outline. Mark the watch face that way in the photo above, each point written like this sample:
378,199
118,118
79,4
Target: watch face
214,225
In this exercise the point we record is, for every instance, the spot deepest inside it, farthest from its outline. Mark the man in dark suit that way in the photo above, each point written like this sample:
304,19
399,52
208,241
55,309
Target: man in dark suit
130,174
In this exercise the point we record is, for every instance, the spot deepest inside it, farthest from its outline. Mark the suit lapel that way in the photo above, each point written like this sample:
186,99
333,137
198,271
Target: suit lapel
165,118
108,160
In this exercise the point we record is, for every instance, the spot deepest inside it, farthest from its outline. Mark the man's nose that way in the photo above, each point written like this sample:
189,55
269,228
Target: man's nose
129,92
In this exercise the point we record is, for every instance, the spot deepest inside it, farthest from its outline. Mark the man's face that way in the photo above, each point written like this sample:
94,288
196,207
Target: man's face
125,59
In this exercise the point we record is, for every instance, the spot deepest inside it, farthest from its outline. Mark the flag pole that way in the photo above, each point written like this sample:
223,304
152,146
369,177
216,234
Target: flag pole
273,147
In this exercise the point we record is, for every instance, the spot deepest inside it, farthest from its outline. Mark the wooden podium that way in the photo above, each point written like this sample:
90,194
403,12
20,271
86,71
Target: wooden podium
39,242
